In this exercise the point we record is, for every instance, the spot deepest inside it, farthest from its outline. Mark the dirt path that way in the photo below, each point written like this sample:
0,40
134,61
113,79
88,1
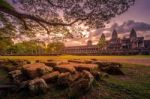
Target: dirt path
142,61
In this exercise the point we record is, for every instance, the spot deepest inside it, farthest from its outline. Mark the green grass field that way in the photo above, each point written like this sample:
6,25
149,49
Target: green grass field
137,59
72,57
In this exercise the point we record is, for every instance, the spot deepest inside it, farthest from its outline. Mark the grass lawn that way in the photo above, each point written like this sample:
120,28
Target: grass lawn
134,85
73,57
137,59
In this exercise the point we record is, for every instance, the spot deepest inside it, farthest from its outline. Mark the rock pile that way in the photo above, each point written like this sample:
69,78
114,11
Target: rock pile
35,70
75,74
110,68
37,86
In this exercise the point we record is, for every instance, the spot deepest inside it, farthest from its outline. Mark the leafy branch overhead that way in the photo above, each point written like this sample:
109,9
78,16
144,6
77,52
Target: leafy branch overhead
53,13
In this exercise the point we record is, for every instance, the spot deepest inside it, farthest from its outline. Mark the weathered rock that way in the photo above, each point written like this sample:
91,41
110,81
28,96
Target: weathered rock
15,73
88,67
85,81
65,68
97,75
51,64
76,61
88,75
28,62
1,62
94,59
37,86
37,61
9,68
43,71
36,70
113,70
83,84
51,77
12,65
16,76
105,75
23,84
17,62
7,87
50,60
74,76
106,64
63,80
88,61
110,68
19,68
8,65
63,63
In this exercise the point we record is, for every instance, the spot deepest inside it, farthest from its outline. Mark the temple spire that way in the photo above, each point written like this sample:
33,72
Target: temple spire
133,34
114,35
89,43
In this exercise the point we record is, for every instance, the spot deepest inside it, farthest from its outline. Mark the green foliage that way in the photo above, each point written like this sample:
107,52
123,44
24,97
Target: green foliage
5,4
5,43
8,30
54,47
74,13
26,47
102,41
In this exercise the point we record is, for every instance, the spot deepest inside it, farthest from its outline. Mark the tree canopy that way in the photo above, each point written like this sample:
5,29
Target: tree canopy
54,47
26,47
5,43
52,15
102,41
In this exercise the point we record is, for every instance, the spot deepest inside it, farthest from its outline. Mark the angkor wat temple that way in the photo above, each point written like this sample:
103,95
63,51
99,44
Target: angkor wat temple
115,46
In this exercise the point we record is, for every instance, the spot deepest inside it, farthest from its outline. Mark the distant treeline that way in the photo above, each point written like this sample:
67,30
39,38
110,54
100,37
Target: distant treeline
7,47
94,53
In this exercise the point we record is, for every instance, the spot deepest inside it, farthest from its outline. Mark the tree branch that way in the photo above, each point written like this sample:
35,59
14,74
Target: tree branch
25,24
26,16
54,5
23,16
42,25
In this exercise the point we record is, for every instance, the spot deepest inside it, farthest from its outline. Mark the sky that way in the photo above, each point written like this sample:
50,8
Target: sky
137,16
139,12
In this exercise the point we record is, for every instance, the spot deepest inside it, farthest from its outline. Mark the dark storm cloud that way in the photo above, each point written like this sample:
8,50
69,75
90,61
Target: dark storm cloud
127,26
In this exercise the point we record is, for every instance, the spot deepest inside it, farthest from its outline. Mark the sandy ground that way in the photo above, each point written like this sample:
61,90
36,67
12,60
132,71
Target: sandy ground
141,61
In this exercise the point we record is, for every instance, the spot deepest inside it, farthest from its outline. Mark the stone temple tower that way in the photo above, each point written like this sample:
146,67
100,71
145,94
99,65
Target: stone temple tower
114,35
133,39
133,35
89,43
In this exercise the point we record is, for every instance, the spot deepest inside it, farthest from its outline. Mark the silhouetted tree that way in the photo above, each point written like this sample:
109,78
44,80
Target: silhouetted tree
102,41
58,14
5,43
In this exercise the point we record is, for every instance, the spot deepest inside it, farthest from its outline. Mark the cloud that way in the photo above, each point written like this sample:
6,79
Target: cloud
127,26
124,28
143,29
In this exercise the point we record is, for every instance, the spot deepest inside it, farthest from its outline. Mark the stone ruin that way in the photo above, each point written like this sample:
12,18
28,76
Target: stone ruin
75,74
